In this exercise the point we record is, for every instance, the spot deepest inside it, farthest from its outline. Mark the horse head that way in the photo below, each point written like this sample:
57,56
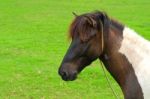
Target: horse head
86,32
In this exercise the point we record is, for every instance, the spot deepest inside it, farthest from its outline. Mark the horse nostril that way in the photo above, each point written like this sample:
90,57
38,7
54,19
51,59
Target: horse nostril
64,74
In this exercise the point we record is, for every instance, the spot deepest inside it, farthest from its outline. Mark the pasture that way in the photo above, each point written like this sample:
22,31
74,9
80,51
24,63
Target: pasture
33,41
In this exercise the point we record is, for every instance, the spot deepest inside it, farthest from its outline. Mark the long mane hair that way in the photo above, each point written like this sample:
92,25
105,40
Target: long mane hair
83,25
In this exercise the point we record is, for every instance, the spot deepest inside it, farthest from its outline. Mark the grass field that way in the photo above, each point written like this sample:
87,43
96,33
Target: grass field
33,42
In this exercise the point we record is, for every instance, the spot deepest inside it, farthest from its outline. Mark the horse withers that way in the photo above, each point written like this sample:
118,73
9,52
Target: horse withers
125,54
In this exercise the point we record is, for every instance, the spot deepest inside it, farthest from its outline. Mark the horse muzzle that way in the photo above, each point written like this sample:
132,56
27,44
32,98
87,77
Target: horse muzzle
67,75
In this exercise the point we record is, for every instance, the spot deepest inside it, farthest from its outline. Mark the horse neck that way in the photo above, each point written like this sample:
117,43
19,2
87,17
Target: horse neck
118,65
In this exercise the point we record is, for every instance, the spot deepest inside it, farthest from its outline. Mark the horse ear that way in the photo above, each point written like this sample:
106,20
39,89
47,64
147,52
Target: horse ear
74,14
91,21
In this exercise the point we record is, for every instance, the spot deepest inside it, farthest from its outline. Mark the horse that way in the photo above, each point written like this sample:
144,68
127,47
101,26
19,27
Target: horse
124,53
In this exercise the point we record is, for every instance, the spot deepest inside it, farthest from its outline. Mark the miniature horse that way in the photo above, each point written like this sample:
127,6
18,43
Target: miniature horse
125,54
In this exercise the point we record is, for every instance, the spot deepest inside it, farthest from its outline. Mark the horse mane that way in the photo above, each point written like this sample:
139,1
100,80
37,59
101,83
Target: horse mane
80,25
117,24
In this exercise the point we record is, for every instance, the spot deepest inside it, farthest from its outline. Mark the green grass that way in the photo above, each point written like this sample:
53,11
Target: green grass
33,42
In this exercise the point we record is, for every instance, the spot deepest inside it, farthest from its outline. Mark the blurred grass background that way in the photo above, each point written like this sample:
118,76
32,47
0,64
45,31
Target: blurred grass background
33,41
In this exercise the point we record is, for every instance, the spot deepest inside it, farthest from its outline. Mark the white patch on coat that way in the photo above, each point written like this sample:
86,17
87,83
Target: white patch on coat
137,50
